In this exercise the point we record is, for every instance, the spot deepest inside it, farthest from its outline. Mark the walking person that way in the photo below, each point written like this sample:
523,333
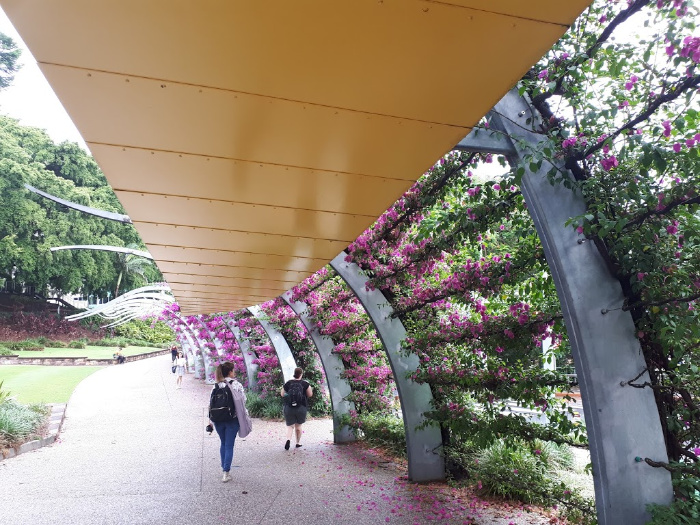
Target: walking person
180,363
228,414
295,393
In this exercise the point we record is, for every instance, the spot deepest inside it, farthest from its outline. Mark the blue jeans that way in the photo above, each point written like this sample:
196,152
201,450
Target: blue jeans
227,430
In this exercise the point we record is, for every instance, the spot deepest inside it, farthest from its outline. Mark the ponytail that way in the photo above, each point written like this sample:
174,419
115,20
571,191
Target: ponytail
223,370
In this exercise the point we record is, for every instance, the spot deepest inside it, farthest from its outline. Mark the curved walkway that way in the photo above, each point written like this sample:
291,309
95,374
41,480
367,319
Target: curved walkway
133,451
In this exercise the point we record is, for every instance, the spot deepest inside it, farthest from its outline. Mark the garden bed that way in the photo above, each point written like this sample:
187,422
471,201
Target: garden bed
44,436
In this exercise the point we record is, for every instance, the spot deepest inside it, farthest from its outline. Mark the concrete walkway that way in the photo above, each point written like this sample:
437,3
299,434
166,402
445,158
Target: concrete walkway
133,451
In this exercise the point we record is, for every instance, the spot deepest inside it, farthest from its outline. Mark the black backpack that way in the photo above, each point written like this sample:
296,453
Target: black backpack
221,404
297,396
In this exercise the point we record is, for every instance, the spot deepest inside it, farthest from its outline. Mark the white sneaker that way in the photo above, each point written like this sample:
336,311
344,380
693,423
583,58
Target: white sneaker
227,477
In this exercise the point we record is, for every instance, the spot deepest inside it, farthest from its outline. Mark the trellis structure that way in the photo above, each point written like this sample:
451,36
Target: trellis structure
333,367
285,227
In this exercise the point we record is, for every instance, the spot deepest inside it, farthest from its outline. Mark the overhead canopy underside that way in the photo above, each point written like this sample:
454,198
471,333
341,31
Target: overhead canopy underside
251,141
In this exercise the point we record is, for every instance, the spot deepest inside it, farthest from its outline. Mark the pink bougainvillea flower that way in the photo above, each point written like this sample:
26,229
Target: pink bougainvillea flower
609,163
667,128
677,147
691,48
544,74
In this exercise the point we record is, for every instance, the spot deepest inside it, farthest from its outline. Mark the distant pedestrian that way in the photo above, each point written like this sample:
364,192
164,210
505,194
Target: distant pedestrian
119,356
230,418
173,353
180,363
295,393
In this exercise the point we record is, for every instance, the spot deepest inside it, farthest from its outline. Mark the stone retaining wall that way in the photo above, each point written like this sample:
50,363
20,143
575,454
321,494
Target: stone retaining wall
73,361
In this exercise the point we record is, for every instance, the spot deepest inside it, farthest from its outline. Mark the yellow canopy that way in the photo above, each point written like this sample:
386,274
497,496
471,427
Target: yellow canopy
250,141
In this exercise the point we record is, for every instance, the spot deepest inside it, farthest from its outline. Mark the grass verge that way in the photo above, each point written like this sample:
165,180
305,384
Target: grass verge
43,384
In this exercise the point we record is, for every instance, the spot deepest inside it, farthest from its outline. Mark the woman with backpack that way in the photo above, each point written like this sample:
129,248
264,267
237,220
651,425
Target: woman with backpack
295,393
228,414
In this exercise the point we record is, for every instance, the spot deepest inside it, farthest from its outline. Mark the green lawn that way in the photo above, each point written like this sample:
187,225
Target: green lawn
43,384
95,352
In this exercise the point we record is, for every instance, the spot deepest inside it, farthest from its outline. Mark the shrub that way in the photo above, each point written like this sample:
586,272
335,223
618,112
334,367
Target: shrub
76,344
685,509
28,344
124,342
5,351
460,455
4,394
55,344
104,342
273,408
148,332
553,456
511,472
268,407
19,422
385,430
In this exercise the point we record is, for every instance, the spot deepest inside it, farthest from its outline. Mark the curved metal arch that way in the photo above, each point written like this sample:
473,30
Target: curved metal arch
279,343
333,367
193,340
248,355
100,247
208,365
111,216
615,415
424,462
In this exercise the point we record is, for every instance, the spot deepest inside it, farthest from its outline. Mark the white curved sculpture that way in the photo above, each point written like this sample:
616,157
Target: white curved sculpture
141,302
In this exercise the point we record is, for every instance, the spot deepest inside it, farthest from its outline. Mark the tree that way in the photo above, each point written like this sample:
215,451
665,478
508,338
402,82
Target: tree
129,263
30,225
9,54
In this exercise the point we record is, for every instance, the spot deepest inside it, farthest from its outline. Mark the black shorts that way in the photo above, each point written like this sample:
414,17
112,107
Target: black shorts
295,415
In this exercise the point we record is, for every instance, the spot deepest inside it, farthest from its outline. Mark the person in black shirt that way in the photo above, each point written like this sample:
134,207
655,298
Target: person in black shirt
295,393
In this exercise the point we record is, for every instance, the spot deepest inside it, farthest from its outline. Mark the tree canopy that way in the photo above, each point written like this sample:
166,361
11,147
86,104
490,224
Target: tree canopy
30,225
9,54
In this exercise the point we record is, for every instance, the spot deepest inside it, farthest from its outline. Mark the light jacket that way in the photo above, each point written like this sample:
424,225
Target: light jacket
244,421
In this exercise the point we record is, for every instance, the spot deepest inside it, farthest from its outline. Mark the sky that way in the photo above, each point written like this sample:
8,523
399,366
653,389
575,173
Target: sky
31,100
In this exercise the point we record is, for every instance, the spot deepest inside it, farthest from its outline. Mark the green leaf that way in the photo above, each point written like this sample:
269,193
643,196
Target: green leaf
659,162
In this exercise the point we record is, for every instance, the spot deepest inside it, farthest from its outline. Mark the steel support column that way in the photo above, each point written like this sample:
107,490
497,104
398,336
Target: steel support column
208,365
192,343
622,422
248,355
279,343
333,367
198,360
192,354
424,461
